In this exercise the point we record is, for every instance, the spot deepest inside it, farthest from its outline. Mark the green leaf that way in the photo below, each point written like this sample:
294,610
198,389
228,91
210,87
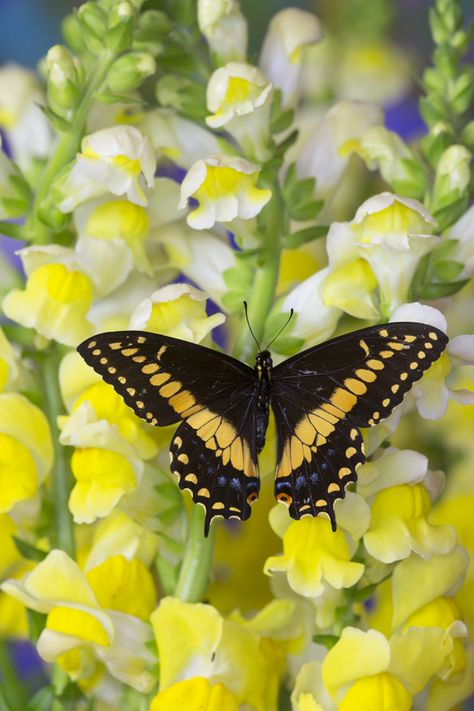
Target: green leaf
307,235
447,270
437,291
36,623
446,216
327,640
11,229
306,212
42,701
170,515
169,492
106,98
288,345
29,551
280,118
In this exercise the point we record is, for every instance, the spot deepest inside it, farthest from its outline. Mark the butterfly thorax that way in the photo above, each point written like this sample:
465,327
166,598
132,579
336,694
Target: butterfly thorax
263,371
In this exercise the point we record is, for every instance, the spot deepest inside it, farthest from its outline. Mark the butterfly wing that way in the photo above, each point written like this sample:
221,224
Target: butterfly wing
165,380
322,396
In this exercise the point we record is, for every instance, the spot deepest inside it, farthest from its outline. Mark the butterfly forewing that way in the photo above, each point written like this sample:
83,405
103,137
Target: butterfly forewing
165,380
323,395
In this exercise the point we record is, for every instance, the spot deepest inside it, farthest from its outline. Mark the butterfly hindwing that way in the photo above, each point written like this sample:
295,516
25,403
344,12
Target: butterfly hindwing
225,481
165,380
323,395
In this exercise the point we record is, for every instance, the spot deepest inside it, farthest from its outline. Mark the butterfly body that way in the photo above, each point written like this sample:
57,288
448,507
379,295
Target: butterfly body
320,399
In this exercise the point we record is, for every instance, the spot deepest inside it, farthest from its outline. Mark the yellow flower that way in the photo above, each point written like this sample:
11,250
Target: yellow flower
55,302
124,585
176,310
104,464
26,450
350,288
194,640
225,188
315,556
77,623
195,694
399,525
8,363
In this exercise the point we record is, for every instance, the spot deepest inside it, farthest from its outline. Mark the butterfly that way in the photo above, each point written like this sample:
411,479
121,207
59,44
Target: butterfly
320,398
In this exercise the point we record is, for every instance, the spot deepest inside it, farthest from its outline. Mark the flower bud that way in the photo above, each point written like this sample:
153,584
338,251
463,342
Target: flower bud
93,21
121,23
225,29
452,175
130,71
63,81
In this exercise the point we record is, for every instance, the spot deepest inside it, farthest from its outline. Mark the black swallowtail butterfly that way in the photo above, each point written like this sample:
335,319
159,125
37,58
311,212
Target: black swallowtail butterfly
320,399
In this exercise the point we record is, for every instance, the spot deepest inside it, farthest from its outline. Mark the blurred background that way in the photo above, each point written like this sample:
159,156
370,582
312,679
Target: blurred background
375,50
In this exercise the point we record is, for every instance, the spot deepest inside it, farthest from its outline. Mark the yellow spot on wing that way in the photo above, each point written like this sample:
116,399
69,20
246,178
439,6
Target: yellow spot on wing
182,401
333,487
322,426
192,478
375,364
305,431
159,379
183,458
204,492
364,346
150,368
170,388
355,386
343,399
343,472
367,375
129,351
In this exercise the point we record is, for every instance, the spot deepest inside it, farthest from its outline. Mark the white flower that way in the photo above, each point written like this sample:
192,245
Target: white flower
281,59
119,160
178,139
240,97
433,392
389,232
176,310
325,153
225,188
224,27
453,174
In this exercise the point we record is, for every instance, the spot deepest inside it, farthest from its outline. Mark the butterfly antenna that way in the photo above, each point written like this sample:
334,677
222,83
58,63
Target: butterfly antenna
250,327
292,311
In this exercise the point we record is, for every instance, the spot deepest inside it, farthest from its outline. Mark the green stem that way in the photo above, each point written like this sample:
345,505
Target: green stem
63,536
68,146
263,290
195,568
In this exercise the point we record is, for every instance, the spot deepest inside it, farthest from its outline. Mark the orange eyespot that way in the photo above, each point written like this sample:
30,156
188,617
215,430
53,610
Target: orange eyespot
285,498
251,498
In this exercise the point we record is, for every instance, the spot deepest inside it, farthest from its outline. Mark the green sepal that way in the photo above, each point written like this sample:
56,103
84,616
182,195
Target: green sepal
447,270
28,551
437,291
15,207
327,640
296,239
168,491
431,114
462,93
